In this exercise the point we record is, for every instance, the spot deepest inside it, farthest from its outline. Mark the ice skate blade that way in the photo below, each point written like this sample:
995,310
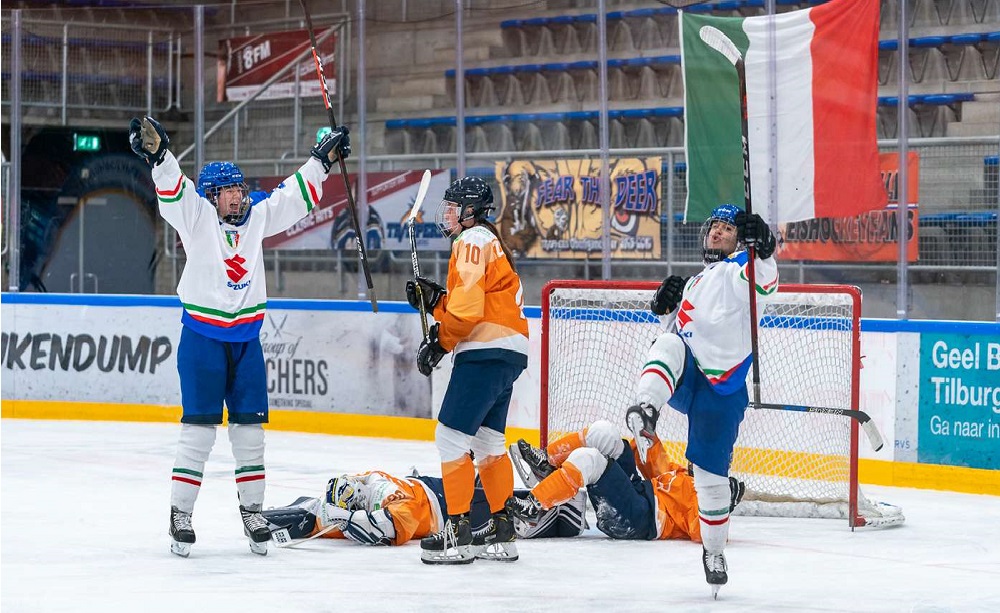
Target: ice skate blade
454,555
180,549
715,592
258,548
498,552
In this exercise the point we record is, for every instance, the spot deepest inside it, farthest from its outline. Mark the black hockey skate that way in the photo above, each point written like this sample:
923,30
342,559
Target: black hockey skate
715,570
527,509
256,528
641,421
181,533
532,463
452,545
495,539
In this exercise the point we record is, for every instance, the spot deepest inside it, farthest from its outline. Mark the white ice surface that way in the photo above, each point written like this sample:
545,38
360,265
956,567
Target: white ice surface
84,508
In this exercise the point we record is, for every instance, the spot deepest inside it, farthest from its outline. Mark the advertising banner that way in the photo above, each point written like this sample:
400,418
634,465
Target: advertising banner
316,360
959,414
390,198
247,62
868,237
552,208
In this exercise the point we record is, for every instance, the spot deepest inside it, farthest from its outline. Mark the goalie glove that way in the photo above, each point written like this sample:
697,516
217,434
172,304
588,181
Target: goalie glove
370,528
641,421
148,140
333,145
430,352
430,291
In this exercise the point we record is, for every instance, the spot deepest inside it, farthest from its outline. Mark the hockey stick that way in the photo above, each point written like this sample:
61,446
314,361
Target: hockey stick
425,183
874,437
352,207
714,38
282,538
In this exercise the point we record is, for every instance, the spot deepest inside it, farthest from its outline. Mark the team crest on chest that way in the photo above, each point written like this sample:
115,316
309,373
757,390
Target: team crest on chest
233,238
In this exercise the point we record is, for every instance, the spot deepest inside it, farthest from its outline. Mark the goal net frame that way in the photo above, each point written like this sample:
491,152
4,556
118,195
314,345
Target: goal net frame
854,506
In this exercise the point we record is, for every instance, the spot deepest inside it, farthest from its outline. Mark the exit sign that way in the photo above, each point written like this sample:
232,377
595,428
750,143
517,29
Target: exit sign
86,142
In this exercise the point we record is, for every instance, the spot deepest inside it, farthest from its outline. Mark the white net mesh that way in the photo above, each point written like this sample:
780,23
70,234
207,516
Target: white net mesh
794,464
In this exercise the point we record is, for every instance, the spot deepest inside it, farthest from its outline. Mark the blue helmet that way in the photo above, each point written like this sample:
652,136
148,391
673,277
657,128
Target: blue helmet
725,213
218,175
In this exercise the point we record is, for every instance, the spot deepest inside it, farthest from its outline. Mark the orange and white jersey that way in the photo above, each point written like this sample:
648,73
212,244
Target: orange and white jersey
676,501
483,309
414,508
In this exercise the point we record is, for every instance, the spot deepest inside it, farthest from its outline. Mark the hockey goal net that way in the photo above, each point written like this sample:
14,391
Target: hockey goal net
595,335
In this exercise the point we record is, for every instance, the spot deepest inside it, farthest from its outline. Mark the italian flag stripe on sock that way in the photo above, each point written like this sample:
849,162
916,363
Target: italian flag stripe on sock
249,473
186,475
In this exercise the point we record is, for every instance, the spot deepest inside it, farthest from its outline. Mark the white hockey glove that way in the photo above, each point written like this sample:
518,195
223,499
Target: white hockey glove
370,528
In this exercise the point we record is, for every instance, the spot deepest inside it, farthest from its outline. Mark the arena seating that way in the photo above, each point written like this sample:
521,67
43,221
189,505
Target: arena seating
930,113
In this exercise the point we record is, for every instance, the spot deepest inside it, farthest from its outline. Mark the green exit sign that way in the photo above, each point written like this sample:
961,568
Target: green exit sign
322,132
86,142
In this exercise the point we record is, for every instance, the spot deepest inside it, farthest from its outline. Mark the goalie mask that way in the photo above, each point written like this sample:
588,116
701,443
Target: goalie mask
718,233
469,198
347,492
224,186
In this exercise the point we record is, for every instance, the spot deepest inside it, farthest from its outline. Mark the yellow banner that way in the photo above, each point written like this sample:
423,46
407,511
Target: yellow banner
552,208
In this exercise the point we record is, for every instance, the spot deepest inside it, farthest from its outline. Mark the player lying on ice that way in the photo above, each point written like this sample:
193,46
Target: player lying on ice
376,508
652,499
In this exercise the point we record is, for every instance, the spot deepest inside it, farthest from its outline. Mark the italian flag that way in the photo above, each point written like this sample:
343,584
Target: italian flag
825,158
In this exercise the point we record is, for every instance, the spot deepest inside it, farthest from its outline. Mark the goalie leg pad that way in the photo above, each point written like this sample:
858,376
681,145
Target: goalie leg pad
604,437
370,528
299,518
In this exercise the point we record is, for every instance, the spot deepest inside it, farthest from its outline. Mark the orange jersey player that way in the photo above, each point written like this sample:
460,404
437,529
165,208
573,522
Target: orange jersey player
480,322
376,508
661,504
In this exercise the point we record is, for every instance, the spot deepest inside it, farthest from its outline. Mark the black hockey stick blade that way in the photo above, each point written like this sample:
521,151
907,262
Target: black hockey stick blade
874,437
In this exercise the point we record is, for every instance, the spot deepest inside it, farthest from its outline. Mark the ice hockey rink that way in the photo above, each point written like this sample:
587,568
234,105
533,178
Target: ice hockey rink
84,513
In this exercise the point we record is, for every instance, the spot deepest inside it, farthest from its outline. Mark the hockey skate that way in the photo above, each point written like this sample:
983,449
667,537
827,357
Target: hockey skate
452,545
641,421
256,529
527,509
715,570
531,463
181,533
495,539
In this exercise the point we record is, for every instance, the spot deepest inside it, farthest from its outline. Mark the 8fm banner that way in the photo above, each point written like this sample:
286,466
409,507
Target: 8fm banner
390,198
552,208
247,62
869,237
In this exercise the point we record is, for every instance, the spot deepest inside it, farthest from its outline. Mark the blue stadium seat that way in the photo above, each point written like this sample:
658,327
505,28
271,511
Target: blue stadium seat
922,51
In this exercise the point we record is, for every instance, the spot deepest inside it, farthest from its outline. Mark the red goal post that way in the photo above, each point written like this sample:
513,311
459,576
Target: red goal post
595,335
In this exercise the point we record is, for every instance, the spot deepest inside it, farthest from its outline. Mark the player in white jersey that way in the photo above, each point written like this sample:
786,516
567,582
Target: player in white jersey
223,293
700,365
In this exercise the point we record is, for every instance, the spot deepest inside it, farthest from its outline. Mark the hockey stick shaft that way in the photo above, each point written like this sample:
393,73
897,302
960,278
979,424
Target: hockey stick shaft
359,237
717,40
425,183
874,437
283,540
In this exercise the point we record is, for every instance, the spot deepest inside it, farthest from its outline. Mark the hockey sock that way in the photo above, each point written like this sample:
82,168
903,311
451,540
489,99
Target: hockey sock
247,441
497,476
458,473
583,467
713,508
664,365
193,447
560,448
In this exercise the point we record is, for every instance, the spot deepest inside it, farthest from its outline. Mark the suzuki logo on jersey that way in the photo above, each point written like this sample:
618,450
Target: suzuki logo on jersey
683,315
234,268
233,238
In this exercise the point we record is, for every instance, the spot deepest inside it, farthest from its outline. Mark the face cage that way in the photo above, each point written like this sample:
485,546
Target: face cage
237,218
709,256
448,218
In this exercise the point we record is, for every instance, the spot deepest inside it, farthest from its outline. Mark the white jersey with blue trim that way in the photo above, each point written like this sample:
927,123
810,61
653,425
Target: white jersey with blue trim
713,317
223,288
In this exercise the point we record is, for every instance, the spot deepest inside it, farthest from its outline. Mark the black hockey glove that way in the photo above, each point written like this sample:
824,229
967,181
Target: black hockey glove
753,232
335,144
148,139
430,291
430,352
736,491
668,295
